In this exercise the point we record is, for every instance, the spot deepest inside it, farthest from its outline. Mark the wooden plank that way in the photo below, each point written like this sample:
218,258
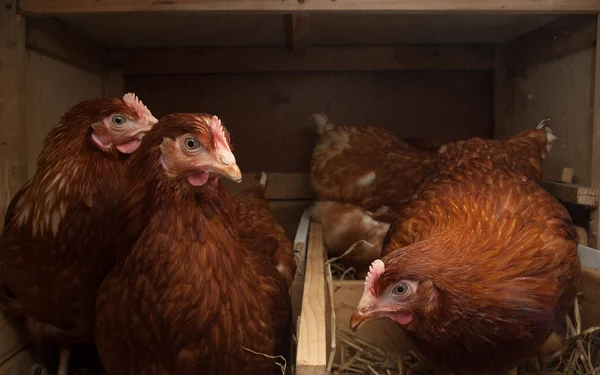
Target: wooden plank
288,214
590,302
300,247
19,364
573,193
595,155
279,185
564,36
333,59
503,90
311,357
297,29
13,140
56,39
12,338
57,7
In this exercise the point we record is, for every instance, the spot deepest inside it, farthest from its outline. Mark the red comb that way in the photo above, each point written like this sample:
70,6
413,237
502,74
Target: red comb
136,104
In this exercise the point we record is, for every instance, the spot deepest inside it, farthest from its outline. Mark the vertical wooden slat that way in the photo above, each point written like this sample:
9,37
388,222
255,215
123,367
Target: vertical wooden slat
13,141
595,172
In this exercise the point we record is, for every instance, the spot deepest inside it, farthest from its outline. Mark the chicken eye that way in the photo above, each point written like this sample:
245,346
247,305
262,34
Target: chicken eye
119,120
191,143
401,289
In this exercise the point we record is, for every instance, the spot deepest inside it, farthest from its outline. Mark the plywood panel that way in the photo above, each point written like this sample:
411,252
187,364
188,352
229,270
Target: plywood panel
52,88
561,89
187,29
269,115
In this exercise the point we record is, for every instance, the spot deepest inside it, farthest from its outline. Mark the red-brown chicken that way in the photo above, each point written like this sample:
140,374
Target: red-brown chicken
188,297
345,225
259,229
482,265
365,166
54,252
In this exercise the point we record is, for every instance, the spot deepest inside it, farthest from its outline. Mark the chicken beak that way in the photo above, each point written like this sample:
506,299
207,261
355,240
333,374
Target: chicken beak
226,166
361,315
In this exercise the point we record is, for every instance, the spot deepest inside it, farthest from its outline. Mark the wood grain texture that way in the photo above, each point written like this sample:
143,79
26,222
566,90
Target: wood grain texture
254,29
269,115
560,89
311,357
18,364
297,27
595,154
315,59
564,36
572,193
59,41
13,140
52,88
56,7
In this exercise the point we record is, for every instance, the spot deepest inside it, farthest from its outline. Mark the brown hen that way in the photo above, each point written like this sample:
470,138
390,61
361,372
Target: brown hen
259,229
189,297
482,266
365,166
54,252
344,226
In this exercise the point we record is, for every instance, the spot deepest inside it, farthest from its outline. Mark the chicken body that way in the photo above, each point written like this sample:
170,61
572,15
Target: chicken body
365,166
345,225
482,266
259,229
189,297
54,254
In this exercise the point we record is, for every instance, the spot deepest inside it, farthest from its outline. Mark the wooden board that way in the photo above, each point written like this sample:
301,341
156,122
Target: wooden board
43,7
560,89
63,43
52,88
20,364
572,193
315,59
13,139
269,115
564,36
311,356
252,29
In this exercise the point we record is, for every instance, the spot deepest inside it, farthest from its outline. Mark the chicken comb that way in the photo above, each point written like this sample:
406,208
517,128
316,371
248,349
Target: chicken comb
217,129
375,270
136,104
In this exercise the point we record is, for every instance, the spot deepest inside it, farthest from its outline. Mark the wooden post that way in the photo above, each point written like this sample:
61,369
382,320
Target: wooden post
13,152
595,222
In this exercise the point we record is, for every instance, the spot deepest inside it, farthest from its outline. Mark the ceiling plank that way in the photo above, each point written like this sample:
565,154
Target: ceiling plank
55,39
58,7
334,59
566,35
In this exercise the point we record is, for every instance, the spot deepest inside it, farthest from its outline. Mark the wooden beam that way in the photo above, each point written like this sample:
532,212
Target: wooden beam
576,194
58,7
297,29
566,35
55,39
595,172
280,186
13,137
270,60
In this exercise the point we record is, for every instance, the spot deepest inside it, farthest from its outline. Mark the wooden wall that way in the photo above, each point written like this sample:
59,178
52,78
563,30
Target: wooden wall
269,115
562,89
52,87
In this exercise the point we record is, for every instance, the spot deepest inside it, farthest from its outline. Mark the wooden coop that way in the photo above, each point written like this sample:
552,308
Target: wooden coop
449,69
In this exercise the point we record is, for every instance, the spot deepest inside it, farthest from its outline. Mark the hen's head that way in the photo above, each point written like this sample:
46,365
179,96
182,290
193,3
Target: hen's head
192,147
397,296
110,124
122,125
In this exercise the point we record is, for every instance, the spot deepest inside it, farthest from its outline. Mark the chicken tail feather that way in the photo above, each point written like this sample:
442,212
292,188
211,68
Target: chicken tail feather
323,123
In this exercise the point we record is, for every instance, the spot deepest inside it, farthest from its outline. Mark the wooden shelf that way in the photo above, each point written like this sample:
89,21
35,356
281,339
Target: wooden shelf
572,193
58,7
